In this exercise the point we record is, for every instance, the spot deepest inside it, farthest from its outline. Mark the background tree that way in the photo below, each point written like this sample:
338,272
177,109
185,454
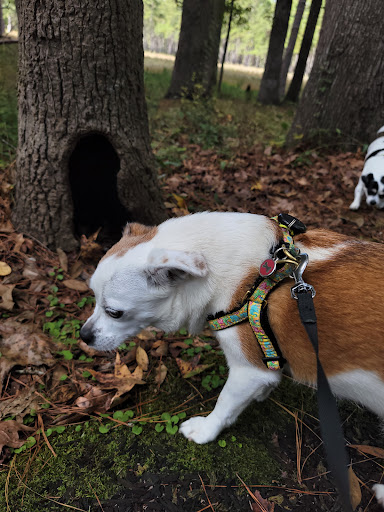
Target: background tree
84,156
291,46
2,26
198,49
226,44
295,85
345,90
269,87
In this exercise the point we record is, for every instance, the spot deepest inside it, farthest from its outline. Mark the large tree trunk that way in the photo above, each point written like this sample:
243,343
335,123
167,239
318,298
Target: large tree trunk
84,156
195,67
269,87
295,85
345,90
291,46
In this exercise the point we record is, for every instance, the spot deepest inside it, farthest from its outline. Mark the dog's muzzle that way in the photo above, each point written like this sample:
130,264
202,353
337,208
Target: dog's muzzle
87,335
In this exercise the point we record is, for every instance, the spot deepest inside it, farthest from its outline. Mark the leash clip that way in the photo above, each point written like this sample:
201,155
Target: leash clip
297,275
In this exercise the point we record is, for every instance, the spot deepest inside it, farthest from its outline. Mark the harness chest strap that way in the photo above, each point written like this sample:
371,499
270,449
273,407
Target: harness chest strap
252,308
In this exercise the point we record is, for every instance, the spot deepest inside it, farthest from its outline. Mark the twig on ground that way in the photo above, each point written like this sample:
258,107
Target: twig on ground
209,501
97,498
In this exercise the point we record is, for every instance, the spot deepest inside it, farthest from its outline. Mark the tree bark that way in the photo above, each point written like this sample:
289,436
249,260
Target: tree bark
195,67
269,87
295,85
2,25
84,150
291,46
345,91
225,47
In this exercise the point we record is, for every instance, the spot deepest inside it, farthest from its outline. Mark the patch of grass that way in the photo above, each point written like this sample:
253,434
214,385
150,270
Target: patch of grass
228,123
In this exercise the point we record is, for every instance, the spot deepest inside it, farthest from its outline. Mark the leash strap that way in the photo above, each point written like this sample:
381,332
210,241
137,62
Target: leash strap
330,424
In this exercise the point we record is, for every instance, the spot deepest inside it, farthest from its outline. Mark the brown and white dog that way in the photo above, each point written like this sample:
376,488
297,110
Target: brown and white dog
178,273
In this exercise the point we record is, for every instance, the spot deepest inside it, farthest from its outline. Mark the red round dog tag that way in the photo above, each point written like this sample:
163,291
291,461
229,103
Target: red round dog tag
267,267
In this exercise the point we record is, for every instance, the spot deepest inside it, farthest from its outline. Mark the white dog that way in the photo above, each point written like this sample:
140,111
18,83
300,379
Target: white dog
178,273
371,181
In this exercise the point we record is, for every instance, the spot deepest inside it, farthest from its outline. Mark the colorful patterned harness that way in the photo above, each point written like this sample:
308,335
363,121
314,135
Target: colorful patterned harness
256,300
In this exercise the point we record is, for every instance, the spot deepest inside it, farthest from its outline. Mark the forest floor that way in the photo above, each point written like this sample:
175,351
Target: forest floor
77,429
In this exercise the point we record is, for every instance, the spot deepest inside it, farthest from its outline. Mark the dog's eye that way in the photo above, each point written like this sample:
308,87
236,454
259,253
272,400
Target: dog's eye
113,313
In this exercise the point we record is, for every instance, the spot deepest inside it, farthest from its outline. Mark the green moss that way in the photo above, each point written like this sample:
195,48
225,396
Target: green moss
89,458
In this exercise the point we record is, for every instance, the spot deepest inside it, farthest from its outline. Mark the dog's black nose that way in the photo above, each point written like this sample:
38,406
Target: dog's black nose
372,202
87,335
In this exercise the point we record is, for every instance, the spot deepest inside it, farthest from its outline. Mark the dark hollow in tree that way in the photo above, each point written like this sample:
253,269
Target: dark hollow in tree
195,68
93,167
270,83
343,99
81,111
293,92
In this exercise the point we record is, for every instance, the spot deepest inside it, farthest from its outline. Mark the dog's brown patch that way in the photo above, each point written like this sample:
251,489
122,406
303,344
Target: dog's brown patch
321,238
134,234
345,284
349,309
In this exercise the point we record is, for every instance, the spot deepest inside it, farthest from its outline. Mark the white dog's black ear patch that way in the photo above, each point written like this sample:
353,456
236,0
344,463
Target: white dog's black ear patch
168,266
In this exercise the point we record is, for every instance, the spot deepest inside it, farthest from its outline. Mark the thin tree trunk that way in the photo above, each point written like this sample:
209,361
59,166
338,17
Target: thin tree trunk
2,25
225,47
291,46
195,67
269,87
295,85
84,156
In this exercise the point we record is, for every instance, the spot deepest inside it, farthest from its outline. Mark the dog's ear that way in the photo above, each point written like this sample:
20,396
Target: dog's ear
367,179
136,229
167,266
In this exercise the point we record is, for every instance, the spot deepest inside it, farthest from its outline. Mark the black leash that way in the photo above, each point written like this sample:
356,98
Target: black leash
330,424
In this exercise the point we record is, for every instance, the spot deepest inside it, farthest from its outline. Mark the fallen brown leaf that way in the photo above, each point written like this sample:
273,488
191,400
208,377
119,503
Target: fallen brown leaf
261,504
371,450
20,345
9,433
74,284
21,404
6,301
142,358
63,259
190,368
5,269
355,489
160,373
95,400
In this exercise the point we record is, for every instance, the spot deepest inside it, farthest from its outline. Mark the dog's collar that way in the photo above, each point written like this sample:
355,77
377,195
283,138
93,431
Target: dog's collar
374,154
285,258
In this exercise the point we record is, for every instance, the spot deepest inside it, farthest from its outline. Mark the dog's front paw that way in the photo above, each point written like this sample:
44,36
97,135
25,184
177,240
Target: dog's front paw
378,489
200,430
354,206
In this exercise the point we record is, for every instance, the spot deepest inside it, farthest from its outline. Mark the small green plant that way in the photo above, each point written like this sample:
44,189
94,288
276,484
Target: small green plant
57,273
222,443
214,380
137,429
171,422
123,416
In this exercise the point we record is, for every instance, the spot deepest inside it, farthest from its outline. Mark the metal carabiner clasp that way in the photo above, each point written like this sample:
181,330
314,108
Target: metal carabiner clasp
297,275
